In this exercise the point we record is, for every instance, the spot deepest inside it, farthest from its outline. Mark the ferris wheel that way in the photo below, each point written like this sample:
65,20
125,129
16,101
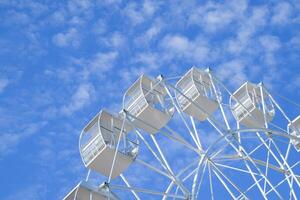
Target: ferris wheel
190,137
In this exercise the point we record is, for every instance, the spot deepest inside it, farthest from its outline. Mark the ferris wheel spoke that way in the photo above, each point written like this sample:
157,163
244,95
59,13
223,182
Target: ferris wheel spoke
168,190
218,100
279,107
210,183
161,161
235,156
129,186
292,192
145,191
287,151
116,151
151,149
179,110
255,162
269,149
145,164
177,138
250,144
267,166
196,132
224,184
285,163
259,146
289,171
183,179
265,178
196,176
250,188
222,148
255,180
277,185
234,168
227,179
179,183
202,177
251,160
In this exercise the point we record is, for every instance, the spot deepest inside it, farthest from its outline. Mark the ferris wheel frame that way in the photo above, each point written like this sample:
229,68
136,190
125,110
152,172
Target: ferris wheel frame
232,137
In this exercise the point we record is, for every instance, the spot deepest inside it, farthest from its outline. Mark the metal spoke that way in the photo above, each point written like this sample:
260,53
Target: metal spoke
215,149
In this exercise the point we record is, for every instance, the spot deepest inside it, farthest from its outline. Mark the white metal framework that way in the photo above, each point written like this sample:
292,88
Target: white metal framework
190,137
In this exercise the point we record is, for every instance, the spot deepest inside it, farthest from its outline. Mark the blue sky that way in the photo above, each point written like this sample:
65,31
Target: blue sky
62,61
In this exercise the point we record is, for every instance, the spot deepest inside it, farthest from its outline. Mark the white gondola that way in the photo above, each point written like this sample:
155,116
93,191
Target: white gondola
145,102
84,191
247,107
294,130
197,86
98,142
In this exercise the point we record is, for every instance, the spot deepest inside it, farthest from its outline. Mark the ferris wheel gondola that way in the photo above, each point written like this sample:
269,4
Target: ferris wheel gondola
214,145
99,141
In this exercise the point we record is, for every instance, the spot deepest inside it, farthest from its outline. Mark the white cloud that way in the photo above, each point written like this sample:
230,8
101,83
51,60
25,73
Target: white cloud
132,12
217,16
9,141
150,60
3,84
295,41
282,13
178,46
138,14
177,43
150,33
17,18
101,63
149,7
270,44
68,38
233,72
117,40
81,98
246,31
100,27
79,6
58,17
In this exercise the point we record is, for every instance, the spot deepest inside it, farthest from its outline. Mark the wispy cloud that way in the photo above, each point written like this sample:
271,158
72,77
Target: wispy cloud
179,46
9,141
82,96
138,14
3,84
69,38
233,72
282,13
73,53
270,45
215,17
34,192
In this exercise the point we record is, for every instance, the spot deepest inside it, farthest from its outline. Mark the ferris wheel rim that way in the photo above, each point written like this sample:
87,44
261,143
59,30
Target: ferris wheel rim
201,153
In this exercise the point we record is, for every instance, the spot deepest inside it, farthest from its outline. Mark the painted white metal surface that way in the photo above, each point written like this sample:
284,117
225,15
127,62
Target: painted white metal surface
294,129
250,144
145,100
196,85
247,108
98,144
84,191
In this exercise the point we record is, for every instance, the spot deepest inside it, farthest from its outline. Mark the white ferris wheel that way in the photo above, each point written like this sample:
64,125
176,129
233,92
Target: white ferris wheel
190,137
